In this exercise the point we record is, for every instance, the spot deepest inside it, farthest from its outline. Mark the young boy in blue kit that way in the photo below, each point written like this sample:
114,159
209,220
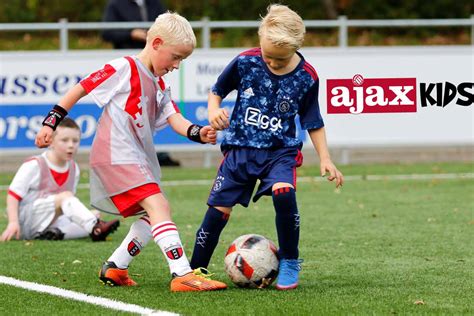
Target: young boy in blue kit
274,83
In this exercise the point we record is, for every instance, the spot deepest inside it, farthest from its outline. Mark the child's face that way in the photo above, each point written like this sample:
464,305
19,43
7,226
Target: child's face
65,143
166,58
276,58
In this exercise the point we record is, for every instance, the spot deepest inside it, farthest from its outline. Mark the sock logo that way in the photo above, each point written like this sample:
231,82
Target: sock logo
174,252
134,247
201,238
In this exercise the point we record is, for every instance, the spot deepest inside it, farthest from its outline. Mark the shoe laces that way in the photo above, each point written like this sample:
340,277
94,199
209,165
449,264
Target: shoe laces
203,272
289,266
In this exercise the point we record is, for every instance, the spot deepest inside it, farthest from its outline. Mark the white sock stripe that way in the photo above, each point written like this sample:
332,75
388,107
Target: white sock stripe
162,226
145,219
165,232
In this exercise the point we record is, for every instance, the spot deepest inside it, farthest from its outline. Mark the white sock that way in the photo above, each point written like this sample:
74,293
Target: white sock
137,238
78,213
167,238
69,229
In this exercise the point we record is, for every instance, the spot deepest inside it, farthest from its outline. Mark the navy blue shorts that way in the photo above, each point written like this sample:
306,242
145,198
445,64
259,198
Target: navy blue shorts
242,167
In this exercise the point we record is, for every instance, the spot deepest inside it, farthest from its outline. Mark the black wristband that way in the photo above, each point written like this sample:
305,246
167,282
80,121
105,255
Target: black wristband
54,117
194,133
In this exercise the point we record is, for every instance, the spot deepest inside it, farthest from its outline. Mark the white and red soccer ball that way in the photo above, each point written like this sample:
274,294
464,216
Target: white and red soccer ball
252,261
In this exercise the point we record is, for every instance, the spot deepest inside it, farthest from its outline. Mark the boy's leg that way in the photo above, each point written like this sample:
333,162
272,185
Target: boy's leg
115,269
166,236
138,237
78,213
207,236
234,184
287,221
70,229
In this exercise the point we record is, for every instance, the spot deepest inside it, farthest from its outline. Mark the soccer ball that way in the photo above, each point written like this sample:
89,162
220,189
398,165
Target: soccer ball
252,261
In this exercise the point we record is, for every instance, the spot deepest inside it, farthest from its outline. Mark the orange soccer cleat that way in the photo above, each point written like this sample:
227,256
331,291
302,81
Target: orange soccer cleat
113,276
195,281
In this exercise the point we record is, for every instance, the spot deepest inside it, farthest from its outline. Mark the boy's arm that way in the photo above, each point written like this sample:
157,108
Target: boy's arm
318,138
200,134
13,228
218,117
54,117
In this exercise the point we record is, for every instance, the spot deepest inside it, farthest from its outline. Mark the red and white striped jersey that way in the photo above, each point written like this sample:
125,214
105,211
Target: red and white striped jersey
136,104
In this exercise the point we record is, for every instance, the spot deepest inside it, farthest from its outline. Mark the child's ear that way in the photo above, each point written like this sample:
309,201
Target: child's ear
157,41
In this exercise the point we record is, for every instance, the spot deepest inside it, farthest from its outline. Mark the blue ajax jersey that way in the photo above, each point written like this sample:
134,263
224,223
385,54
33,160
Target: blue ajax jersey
267,104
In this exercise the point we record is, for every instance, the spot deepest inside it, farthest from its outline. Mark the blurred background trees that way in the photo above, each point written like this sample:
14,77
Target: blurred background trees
14,11
91,10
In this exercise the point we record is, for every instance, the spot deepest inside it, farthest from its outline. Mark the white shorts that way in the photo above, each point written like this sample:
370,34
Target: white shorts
43,214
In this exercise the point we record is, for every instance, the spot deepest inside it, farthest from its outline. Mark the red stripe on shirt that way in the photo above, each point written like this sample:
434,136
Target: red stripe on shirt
251,52
161,83
96,78
133,100
13,194
176,108
310,70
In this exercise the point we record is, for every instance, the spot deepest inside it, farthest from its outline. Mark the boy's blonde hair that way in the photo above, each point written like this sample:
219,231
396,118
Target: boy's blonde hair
173,29
283,27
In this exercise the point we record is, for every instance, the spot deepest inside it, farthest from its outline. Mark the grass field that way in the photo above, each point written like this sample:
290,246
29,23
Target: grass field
387,246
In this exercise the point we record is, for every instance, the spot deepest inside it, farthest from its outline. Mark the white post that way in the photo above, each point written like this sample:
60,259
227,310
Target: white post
63,35
342,31
206,33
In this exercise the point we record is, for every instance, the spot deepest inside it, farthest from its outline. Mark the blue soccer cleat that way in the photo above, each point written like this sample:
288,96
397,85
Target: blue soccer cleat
288,275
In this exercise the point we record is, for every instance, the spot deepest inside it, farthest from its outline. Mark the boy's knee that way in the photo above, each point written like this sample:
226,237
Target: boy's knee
280,185
61,197
223,209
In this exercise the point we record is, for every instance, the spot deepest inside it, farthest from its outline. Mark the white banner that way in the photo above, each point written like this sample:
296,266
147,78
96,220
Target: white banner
377,96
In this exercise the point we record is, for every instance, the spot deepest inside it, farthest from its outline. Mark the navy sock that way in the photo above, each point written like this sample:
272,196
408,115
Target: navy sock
287,221
207,237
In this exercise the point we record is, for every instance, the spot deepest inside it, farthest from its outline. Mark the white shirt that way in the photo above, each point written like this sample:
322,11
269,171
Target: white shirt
27,178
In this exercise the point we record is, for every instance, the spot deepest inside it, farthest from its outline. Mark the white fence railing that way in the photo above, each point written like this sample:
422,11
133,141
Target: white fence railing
206,26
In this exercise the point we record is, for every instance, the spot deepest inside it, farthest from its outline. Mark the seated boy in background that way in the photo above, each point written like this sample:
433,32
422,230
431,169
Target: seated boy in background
41,202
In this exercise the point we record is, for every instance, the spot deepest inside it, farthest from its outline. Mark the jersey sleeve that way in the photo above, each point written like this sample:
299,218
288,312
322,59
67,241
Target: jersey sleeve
309,111
24,179
228,80
103,84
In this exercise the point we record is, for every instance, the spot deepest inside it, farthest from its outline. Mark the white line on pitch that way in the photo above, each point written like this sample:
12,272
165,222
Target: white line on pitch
101,301
375,177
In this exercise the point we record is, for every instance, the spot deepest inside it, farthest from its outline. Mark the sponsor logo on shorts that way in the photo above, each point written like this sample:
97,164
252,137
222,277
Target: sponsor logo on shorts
218,183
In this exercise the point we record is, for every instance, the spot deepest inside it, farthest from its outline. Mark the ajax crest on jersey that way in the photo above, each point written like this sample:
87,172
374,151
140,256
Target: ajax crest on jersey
252,261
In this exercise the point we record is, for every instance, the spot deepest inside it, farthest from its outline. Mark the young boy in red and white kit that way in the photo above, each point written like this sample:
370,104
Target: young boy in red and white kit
41,202
125,173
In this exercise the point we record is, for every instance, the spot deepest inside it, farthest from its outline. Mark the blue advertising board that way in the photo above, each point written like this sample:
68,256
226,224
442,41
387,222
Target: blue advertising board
20,123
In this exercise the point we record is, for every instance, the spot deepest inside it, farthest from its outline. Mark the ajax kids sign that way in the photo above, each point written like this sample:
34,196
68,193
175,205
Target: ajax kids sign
391,95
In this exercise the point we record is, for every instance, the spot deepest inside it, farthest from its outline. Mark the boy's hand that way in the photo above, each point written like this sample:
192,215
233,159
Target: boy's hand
328,166
12,230
219,119
208,135
44,137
